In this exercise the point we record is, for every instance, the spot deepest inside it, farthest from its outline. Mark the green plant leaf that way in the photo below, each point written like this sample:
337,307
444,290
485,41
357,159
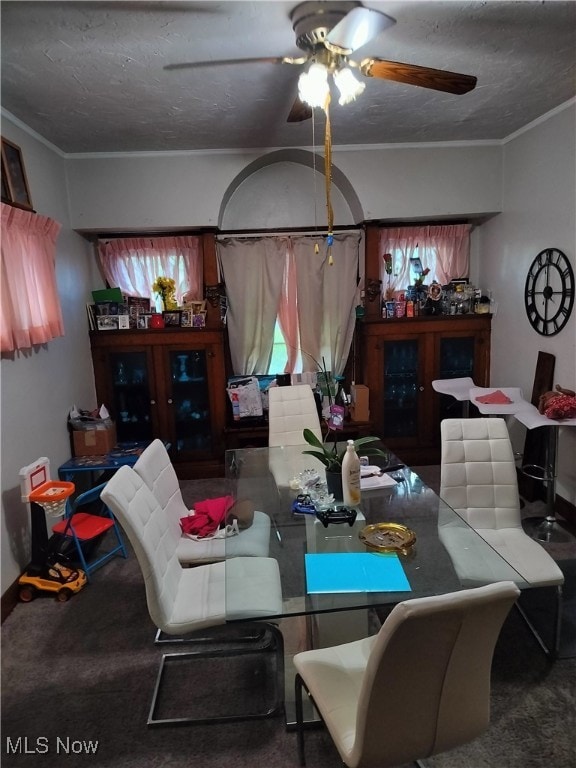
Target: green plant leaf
320,456
311,439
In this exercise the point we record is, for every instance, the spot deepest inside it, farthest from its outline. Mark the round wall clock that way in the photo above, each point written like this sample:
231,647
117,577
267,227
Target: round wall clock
549,292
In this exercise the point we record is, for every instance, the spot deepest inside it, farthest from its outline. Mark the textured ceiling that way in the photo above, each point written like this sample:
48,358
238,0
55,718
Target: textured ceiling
90,77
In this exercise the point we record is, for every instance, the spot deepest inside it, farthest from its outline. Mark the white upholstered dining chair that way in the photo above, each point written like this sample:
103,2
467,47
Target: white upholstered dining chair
419,687
186,600
478,479
291,411
157,471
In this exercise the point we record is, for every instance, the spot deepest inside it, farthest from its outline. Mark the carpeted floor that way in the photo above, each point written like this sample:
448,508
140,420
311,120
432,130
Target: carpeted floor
77,679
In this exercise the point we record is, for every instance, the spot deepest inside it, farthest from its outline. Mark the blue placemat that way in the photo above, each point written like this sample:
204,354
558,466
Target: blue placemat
355,572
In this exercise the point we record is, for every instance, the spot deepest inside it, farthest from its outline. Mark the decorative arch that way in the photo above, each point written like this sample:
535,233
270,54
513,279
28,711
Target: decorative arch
300,157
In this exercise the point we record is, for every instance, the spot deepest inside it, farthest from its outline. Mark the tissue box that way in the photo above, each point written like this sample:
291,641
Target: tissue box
360,406
94,440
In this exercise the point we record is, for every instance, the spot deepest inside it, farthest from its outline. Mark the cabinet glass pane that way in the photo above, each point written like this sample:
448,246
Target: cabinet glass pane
190,400
131,387
400,389
456,361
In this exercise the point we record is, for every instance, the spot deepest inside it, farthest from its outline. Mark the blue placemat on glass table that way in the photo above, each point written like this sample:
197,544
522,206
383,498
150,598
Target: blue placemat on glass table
334,572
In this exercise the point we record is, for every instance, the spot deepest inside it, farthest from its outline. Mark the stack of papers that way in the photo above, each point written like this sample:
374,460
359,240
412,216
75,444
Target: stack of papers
370,477
339,572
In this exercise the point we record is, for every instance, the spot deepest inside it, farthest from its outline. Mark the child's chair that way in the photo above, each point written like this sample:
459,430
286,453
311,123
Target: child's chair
83,527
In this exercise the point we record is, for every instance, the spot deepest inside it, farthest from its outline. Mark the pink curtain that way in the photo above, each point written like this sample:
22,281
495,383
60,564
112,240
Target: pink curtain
288,312
133,264
444,250
30,312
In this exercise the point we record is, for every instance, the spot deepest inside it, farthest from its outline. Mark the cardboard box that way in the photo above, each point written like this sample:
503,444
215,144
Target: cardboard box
360,406
94,442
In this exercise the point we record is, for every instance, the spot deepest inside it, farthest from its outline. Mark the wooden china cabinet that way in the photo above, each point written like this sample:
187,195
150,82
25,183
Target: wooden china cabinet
401,357
169,384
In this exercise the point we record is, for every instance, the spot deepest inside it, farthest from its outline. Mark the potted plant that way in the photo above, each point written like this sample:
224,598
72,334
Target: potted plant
329,455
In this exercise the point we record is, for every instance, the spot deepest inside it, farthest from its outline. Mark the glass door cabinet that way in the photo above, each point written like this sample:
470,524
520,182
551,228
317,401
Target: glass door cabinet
401,357
168,384
131,402
189,400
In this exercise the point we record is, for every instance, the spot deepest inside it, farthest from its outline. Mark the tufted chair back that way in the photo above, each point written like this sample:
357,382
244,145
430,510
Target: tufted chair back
153,538
156,469
478,473
291,410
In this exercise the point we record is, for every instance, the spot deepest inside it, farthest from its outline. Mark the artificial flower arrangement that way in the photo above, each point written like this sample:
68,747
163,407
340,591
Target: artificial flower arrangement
165,287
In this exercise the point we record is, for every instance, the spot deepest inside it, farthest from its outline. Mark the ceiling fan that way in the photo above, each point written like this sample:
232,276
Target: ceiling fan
328,33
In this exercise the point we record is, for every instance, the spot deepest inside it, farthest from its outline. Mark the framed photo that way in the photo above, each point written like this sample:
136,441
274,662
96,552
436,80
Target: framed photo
186,318
172,318
14,183
107,322
197,307
143,320
199,320
123,322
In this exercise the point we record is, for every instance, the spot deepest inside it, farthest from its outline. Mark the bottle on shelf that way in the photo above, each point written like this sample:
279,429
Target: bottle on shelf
351,476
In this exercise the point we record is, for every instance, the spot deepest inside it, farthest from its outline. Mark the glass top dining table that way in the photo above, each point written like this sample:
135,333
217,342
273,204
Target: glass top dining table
269,478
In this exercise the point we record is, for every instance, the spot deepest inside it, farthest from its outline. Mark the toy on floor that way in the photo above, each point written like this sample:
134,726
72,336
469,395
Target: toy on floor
47,570
558,404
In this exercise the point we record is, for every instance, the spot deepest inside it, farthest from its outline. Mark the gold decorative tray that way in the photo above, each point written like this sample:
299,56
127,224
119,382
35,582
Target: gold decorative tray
388,537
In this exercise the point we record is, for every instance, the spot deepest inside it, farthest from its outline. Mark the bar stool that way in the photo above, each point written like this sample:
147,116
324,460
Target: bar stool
546,529
459,389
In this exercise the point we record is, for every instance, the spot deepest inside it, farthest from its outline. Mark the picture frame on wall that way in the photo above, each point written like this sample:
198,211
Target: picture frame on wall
15,189
172,318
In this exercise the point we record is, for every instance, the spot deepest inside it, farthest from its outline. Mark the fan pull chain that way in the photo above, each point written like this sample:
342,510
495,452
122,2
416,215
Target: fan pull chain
316,246
328,177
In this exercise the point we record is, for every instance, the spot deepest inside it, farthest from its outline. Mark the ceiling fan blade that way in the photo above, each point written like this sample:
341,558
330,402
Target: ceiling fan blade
358,27
300,111
235,62
412,74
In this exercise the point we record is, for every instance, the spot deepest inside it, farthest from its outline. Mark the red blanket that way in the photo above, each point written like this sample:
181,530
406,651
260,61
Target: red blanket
208,516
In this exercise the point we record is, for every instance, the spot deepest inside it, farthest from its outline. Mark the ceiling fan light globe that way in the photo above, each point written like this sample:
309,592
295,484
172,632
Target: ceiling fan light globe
313,87
348,85
357,28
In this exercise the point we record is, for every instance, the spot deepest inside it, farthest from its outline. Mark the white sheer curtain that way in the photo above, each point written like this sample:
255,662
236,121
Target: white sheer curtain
281,277
253,271
133,264
444,250
327,298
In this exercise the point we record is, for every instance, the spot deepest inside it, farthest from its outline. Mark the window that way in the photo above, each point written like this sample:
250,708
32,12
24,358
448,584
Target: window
133,264
444,250
279,357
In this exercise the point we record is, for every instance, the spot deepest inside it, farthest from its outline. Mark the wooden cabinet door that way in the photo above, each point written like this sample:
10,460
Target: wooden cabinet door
400,360
460,354
397,374
126,384
191,387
